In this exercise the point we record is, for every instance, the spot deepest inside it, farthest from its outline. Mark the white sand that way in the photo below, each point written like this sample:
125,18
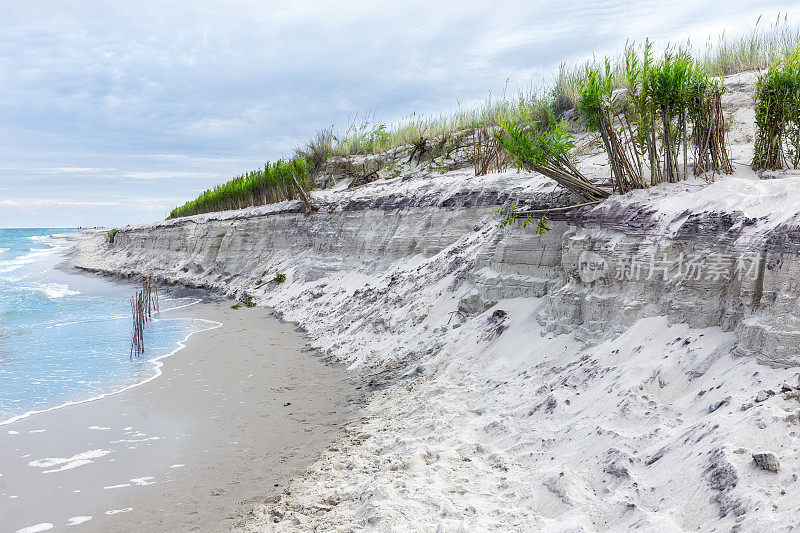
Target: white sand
502,417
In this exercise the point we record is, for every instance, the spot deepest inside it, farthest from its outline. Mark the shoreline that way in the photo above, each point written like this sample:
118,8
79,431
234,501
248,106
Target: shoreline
194,449
157,365
63,266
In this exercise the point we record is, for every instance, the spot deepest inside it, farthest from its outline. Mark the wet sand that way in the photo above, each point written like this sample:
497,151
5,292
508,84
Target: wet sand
234,416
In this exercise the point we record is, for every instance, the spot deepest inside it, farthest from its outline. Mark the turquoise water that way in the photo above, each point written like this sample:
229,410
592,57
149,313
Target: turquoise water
66,337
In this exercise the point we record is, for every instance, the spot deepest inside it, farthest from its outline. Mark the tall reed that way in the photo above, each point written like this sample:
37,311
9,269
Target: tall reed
143,304
777,106
647,131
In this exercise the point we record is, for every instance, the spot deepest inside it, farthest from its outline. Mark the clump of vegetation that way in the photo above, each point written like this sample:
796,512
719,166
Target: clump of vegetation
667,103
317,149
282,180
721,57
279,278
777,106
112,233
244,301
488,154
547,148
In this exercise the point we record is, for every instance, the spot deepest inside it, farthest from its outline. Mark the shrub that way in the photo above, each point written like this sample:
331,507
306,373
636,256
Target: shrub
777,107
667,103
279,278
112,233
547,149
244,301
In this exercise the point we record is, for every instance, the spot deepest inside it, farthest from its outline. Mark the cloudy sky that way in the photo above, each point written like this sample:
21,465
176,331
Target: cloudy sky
115,112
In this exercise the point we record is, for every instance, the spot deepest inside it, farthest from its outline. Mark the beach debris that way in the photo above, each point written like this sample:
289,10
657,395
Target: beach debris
143,304
767,461
764,395
244,301
714,406
287,404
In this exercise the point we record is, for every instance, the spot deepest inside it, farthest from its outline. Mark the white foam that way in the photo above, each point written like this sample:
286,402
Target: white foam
142,481
99,428
120,486
9,265
54,290
44,526
76,520
68,463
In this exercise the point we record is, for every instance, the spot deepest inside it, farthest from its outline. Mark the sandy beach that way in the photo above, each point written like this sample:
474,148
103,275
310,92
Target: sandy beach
234,416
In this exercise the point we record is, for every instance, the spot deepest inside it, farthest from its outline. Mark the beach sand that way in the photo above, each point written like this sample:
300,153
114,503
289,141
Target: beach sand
234,416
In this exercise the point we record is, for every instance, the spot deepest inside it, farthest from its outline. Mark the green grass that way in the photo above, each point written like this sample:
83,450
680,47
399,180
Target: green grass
112,233
777,107
729,54
244,301
283,180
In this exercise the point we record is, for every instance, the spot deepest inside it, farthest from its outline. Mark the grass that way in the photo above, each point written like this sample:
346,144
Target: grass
729,54
283,180
112,233
765,45
777,107
367,137
244,301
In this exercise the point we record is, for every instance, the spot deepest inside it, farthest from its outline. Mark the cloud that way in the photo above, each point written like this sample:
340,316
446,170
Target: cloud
109,98
53,202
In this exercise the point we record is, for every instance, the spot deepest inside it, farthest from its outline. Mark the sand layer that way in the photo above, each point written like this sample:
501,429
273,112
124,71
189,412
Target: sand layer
234,416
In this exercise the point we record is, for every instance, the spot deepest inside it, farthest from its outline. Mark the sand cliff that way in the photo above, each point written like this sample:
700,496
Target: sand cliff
624,369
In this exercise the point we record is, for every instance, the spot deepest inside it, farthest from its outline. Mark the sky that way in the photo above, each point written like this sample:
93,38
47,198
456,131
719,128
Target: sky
113,113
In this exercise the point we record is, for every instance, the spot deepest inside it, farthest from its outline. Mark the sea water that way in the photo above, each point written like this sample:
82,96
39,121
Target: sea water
65,337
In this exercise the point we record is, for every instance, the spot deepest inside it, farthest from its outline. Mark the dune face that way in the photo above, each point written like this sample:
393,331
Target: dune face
635,366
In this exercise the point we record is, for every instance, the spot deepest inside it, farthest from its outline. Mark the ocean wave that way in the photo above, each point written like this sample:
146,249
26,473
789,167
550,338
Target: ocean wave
12,264
7,265
3,250
54,290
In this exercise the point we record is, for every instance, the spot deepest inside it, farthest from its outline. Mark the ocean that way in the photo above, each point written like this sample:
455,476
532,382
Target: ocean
65,337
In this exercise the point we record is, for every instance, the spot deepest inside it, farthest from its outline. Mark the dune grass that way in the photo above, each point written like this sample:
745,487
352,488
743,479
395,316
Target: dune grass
728,54
283,180
760,48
